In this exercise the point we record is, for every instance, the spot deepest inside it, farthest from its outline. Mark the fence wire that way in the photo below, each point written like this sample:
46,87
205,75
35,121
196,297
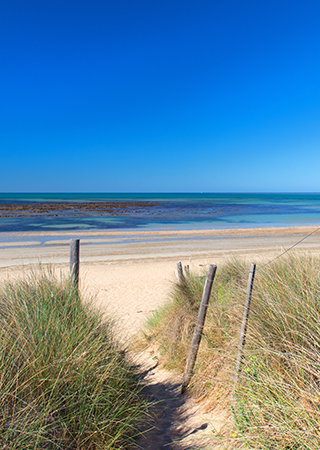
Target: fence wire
288,249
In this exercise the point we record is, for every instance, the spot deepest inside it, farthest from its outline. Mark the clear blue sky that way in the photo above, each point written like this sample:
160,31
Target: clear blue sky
160,95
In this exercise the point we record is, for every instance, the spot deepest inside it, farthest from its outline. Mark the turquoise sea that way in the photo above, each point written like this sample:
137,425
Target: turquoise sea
175,211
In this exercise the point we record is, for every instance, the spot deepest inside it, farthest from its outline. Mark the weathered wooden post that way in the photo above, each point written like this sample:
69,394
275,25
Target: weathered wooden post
198,328
74,261
180,272
243,330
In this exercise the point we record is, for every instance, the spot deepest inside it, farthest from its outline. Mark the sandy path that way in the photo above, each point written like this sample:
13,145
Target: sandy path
180,423
130,291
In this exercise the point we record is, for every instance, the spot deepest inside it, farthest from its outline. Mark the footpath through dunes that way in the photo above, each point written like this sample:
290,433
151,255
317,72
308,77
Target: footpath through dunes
131,278
134,291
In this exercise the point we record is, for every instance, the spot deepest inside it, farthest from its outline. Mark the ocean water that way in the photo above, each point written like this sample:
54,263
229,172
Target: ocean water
173,211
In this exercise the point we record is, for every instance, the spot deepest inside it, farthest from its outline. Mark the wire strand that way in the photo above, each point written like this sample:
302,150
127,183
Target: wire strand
288,249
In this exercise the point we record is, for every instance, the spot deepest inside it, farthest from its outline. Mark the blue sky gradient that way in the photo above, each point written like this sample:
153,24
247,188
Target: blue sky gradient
159,96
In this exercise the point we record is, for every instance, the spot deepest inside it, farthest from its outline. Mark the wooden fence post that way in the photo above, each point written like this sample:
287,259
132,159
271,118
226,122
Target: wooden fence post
243,331
74,261
198,328
180,272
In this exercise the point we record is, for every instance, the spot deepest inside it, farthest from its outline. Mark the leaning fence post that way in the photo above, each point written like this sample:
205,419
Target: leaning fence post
180,272
74,261
198,328
243,331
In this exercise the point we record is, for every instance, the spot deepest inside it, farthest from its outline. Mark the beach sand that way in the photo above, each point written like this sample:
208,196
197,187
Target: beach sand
131,273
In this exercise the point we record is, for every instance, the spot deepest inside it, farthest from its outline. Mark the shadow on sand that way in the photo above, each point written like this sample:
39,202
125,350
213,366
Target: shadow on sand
173,423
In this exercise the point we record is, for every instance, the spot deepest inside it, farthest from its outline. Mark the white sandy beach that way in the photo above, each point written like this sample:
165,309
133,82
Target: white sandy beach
131,273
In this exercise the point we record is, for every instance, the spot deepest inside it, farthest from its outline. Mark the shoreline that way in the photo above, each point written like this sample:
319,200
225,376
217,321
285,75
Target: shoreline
248,231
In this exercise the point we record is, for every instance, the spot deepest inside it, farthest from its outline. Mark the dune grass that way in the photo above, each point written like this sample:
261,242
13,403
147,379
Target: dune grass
277,400
64,384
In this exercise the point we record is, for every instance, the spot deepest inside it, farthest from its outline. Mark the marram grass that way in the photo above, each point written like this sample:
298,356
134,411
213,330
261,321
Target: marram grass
63,382
277,400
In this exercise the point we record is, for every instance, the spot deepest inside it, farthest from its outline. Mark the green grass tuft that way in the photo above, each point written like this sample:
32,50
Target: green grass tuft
63,382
